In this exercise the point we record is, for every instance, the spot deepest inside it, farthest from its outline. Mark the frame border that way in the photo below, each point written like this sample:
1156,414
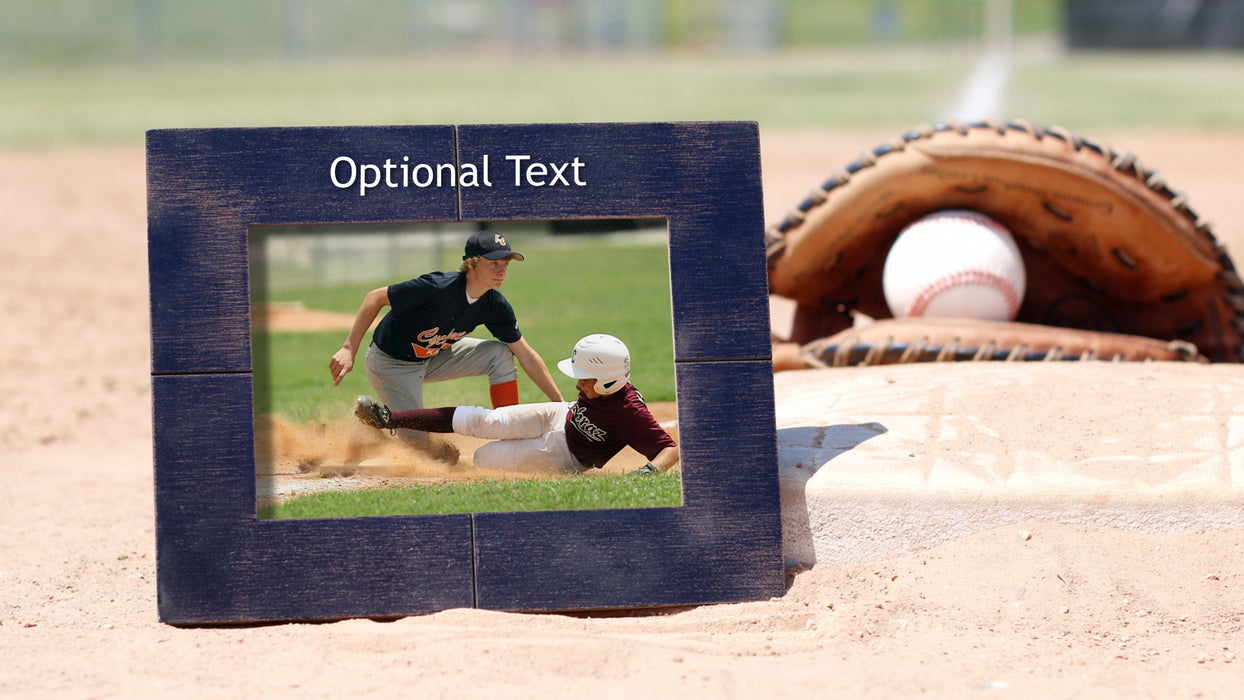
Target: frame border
218,563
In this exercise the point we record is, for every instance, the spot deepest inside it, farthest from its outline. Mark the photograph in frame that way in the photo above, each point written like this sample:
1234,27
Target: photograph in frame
576,278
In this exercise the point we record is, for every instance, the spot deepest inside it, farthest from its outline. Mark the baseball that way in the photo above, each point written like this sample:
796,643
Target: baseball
954,263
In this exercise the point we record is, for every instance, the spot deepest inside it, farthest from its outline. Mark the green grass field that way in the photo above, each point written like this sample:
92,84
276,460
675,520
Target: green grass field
588,492
813,89
104,72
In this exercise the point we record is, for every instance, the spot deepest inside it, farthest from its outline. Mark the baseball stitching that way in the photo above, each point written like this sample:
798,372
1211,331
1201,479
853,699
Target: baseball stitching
962,277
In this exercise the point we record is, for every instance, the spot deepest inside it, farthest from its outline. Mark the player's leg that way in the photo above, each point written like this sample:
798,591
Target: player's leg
545,454
474,357
398,385
522,421
428,420
526,437
506,423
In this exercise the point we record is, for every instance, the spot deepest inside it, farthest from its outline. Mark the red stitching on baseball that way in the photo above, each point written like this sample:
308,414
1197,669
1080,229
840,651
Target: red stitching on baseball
987,279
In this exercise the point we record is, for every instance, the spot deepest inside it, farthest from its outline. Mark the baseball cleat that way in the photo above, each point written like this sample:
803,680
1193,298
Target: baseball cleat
371,412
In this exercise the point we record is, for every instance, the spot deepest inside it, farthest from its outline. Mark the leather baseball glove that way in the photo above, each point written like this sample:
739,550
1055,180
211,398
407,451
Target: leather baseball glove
1117,265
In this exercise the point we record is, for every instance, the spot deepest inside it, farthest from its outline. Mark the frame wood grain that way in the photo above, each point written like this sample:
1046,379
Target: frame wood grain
218,563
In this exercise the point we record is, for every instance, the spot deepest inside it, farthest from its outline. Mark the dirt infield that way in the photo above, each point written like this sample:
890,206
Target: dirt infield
1033,611
294,316
317,456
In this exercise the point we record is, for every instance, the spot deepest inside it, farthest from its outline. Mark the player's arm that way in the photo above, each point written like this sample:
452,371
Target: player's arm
534,366
649,436
343,360
665,459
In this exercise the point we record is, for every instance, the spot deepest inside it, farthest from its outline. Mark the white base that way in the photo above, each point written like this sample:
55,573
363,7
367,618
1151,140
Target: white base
877,462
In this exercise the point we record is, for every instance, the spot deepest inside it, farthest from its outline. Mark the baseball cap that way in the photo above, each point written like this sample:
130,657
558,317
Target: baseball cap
489,244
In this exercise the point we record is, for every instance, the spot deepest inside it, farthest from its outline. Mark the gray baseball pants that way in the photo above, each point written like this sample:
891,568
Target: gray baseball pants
399,384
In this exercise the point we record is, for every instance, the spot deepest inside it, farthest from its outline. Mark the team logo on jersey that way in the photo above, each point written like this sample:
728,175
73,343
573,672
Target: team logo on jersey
586,427
432,341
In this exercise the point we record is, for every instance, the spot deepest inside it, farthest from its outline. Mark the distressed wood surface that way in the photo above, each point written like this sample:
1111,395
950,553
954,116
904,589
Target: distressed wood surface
722,545
217,563
205,187
703,177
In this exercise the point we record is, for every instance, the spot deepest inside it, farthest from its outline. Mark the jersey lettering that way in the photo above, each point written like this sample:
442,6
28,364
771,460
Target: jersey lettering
432,341
585,426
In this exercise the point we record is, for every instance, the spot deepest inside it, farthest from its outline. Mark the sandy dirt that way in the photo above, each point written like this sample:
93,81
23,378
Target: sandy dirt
297,459
1035,610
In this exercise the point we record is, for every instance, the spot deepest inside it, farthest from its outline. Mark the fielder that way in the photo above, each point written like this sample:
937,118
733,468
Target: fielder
423,337
608,415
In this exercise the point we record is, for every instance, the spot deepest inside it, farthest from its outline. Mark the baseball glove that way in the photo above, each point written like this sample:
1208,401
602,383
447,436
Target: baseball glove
1116,262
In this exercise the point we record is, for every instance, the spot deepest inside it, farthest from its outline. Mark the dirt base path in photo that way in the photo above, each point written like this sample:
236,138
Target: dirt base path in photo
314,457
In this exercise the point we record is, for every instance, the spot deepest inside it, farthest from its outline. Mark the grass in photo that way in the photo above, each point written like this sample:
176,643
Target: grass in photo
567,493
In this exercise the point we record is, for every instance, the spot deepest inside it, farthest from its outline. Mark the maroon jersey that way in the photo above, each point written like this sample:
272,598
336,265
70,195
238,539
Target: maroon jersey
597,429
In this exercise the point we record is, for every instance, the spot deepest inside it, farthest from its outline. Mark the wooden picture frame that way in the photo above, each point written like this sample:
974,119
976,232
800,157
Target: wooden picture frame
218,563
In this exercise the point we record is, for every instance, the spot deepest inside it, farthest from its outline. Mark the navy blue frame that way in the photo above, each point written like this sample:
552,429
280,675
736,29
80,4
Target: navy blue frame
218,563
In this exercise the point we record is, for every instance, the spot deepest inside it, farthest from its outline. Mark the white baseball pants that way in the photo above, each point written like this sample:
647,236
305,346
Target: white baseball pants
527,437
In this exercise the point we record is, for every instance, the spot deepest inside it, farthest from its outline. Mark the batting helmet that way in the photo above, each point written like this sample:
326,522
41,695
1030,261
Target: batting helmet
600,357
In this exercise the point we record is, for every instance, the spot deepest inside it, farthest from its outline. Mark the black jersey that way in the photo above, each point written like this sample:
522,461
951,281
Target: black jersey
597,429
431,312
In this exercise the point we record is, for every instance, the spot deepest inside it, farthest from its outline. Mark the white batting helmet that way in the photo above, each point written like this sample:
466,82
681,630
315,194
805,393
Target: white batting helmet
600,357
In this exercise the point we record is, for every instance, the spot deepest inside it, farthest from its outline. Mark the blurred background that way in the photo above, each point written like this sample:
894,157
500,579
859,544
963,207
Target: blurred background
103,71
82,80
